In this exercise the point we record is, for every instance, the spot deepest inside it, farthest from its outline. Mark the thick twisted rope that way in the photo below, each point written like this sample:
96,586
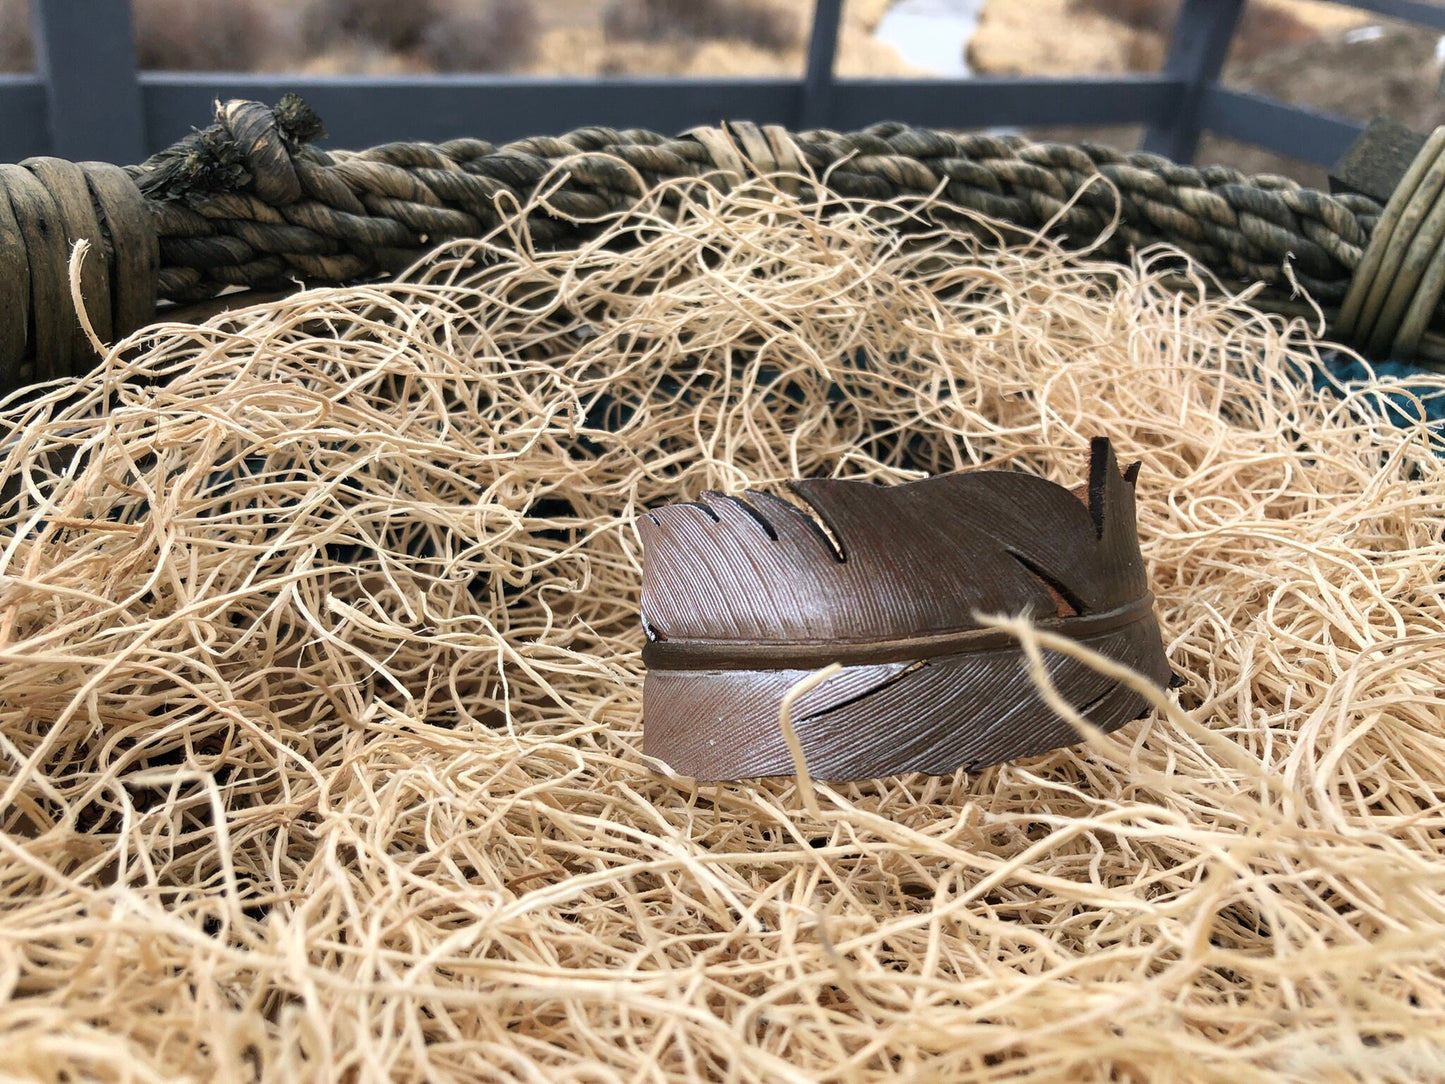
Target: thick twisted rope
248,202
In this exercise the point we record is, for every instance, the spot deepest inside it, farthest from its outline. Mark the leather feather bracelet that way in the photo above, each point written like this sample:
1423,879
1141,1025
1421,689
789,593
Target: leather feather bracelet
744,597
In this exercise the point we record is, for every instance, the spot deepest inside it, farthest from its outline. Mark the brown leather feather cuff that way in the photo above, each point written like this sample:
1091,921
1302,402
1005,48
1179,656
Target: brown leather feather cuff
744,597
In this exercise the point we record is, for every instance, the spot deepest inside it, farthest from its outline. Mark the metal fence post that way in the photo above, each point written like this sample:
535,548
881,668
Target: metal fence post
818,78
85,55
1197,49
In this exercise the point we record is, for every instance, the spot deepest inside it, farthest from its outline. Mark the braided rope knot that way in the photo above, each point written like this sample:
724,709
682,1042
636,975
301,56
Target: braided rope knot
267,141
46,206
250,148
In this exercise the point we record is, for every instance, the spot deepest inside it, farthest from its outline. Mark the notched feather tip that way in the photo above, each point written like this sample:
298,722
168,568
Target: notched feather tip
742,597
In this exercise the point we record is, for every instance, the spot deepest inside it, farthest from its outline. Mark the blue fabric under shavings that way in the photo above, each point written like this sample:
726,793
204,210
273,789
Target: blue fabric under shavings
1407,394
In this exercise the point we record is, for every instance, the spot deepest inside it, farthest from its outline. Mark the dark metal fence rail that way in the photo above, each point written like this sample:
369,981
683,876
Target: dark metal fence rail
88,100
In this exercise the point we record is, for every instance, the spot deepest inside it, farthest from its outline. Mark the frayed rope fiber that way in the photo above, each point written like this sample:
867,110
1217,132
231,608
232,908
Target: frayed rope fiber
320,735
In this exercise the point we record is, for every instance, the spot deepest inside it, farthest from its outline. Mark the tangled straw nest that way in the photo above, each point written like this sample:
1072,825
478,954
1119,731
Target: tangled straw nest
320,685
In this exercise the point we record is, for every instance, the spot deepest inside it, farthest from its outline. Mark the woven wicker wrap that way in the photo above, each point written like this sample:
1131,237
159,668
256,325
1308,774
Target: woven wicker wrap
47,205
248,202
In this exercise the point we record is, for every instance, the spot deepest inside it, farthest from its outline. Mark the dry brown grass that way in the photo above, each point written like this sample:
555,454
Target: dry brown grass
319,687
1076,37
337,36
384,37
194,35
764,23
420,35
1263,28
495,36
16,52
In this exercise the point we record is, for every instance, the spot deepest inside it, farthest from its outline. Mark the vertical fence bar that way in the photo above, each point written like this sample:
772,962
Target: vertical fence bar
85,55
1197,49
818,78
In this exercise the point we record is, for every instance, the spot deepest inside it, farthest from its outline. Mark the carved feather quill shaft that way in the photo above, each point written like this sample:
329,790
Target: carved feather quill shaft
743,597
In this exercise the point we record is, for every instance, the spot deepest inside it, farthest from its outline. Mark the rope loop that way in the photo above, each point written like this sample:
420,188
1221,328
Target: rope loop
1401,275
46,206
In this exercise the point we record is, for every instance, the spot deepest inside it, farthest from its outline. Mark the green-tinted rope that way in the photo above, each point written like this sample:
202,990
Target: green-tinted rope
250,203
